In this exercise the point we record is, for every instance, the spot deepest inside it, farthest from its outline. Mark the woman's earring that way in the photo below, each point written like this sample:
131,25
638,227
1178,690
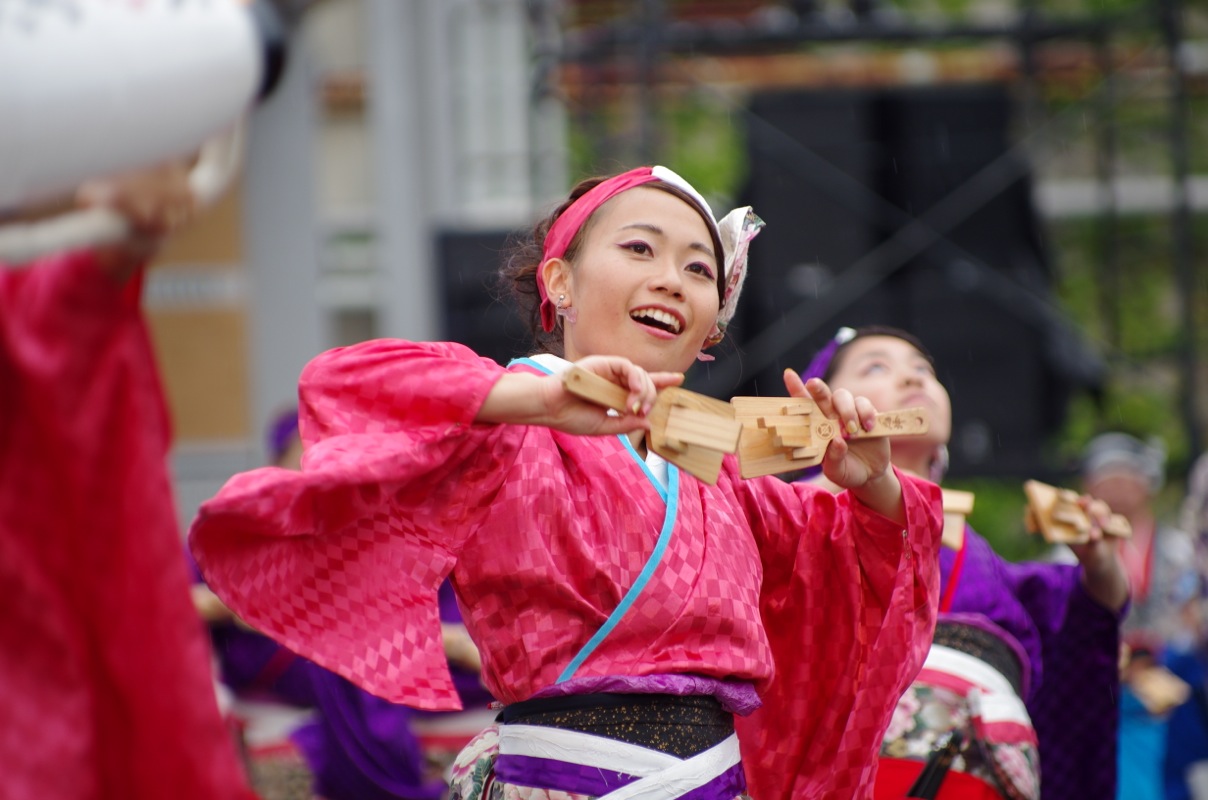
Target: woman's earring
564,310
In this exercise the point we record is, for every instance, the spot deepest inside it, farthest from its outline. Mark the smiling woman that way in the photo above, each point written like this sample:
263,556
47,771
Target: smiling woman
625,612
675,231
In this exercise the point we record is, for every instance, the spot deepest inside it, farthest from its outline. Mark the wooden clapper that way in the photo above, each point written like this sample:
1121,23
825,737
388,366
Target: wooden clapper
1056,515
957,506
781,434
690,430
770,434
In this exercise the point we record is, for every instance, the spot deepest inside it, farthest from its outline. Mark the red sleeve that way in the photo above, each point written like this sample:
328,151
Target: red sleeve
342,561
59,315
390,385
113,662
849,603
64,290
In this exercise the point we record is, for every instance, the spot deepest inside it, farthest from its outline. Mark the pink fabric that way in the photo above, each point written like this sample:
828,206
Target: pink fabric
847,643
568,223
542,533
105,682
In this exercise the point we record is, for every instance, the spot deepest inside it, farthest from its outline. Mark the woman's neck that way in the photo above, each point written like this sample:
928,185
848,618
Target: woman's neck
915,462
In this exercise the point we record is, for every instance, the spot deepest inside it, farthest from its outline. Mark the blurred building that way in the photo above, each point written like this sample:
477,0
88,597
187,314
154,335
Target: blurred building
403,133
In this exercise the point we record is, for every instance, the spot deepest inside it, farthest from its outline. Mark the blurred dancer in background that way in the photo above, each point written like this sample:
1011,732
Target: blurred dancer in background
1187,657
105,687
1167,589
1024,660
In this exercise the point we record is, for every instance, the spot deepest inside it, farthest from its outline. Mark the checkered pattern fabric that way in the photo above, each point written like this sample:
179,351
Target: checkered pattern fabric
850,620
542,534
105,682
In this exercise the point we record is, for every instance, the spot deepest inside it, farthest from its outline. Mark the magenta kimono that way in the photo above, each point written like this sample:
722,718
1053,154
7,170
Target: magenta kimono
576,568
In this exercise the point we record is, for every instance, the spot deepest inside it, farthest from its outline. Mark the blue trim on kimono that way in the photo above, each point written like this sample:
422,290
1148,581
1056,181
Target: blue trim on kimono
670,496
665,492
652,563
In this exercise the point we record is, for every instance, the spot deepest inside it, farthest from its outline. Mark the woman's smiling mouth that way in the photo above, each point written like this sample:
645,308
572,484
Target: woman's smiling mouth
658,318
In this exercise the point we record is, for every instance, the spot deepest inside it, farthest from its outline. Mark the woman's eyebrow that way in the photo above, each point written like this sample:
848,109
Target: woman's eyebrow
655,229
867,354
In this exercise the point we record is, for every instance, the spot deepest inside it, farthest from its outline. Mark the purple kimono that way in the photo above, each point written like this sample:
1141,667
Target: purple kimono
1070,646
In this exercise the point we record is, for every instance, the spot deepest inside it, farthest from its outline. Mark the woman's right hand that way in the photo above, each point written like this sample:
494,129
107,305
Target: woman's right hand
523,399
154,202
1103,574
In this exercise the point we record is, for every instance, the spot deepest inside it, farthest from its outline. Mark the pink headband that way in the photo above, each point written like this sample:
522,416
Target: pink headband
571,220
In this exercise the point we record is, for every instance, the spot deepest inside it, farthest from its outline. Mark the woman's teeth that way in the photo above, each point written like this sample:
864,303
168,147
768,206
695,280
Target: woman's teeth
660,319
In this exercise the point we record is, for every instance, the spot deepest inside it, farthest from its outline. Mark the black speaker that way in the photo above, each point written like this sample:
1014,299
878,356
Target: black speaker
842,179
947,151
474,314
817,163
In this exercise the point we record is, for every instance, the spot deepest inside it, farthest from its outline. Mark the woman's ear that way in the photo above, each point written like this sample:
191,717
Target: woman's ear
555,274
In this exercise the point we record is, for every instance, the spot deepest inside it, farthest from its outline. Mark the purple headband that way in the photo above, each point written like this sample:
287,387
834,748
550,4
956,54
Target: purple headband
822,359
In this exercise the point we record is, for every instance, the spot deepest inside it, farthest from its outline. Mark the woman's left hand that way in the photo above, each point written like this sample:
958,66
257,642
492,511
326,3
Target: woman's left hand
850,463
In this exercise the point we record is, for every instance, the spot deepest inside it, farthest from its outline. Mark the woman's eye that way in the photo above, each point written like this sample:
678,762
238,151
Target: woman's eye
641,248
701,268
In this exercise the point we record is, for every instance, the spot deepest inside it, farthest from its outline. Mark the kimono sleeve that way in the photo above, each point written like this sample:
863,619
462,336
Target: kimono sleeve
342,561
1078,671
849,603
1056,604
60,315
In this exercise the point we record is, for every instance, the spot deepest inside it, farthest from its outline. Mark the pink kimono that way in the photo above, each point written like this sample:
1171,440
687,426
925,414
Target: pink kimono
575,568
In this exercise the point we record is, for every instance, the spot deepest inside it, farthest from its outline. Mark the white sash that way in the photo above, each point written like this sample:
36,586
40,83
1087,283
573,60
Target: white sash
663,776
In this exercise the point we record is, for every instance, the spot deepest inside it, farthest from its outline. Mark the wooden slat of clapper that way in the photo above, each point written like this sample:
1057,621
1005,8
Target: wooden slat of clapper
1056,515
958,506
693,431
690,430
773,438
761,418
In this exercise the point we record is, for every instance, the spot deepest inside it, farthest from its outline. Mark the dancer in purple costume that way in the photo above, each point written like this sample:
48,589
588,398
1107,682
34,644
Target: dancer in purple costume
1060,622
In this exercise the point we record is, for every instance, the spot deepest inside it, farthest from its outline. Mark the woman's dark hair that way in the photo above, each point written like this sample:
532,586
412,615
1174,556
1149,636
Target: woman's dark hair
518,275
875,330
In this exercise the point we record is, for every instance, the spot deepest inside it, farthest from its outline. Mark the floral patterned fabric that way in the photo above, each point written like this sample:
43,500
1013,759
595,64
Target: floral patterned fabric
473,775
926,713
